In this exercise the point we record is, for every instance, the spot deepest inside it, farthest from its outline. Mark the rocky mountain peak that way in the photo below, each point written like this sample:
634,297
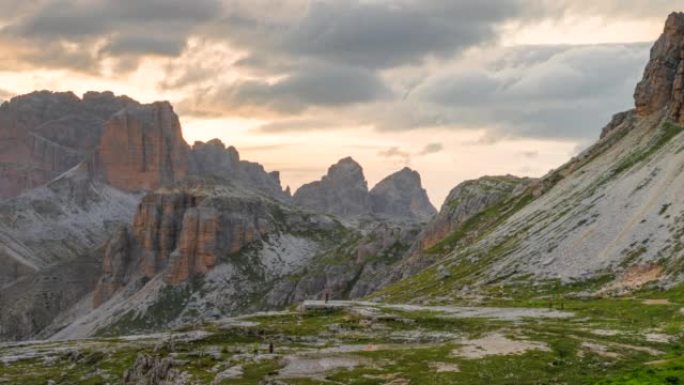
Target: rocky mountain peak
142,148
214,159
343,191
402,195
43,134
663,81
347,170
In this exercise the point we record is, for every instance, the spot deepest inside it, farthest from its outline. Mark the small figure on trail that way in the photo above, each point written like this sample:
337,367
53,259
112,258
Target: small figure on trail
271,348
327,297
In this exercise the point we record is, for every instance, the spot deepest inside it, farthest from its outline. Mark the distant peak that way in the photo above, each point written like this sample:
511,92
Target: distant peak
345,166
347,161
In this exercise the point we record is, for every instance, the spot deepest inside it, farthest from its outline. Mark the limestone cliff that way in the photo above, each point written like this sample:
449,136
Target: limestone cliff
142,148
44,134
343,191
215,160
401,195
663,83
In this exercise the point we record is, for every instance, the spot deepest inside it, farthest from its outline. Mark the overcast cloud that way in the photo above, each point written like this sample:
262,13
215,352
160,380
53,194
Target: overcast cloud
313,65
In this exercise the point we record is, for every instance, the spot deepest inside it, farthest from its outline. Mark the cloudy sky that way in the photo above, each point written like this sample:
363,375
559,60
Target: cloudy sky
452,88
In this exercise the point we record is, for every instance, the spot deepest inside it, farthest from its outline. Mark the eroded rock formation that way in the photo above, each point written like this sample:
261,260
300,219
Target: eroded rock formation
142,148
663,82
215,160
343,191
43,134
401,195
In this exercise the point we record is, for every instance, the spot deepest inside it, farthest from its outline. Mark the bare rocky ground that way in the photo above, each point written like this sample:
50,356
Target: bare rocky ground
598,340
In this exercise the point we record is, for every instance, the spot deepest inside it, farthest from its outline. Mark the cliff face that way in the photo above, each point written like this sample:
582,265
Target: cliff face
213,159
44,134
467,200
663,82
401,195
142,148
342,192
181,233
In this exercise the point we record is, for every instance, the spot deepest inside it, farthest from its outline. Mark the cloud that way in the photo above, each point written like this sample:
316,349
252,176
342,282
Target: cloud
298,125
369,34
319,86
431,148
531,154
5,95
568,94
608,8
101,29
395,152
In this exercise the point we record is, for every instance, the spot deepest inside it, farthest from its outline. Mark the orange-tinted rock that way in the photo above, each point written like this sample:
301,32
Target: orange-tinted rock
197,247
44,134
180,234
142,148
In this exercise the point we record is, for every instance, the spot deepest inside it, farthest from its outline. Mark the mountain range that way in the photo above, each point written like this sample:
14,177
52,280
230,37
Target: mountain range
110,223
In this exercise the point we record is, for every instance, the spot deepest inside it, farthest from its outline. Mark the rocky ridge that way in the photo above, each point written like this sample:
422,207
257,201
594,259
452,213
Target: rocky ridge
343,192
44,134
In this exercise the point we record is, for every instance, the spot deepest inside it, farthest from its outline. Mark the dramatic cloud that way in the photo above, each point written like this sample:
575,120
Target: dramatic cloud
320,86
305,65
567,94
111,28
369,34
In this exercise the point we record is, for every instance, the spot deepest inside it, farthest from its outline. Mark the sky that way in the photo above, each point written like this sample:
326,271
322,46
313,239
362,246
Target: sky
455,89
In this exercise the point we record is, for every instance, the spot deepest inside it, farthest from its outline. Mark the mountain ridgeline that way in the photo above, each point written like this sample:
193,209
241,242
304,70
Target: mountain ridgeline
110,223
107,212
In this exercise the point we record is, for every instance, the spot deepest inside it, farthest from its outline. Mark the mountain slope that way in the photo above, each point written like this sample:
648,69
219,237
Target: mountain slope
614,214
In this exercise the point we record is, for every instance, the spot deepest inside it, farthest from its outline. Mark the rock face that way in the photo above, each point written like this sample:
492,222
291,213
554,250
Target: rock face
181,233
617,121
215,160
466,200
663,82
142,148
401,195
342,192
44,134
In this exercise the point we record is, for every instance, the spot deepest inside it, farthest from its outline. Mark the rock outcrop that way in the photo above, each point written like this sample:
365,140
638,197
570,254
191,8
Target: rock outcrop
401,195
467,200
663,82
44,134
342,192
153,370
215,160
142,148
180,233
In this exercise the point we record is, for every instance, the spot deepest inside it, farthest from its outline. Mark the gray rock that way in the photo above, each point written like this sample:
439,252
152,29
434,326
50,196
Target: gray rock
342,192
401,195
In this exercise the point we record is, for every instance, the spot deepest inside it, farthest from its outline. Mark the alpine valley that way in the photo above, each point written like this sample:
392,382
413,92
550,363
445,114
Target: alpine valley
132,257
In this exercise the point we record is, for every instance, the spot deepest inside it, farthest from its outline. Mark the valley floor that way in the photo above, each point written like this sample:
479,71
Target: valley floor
635,340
